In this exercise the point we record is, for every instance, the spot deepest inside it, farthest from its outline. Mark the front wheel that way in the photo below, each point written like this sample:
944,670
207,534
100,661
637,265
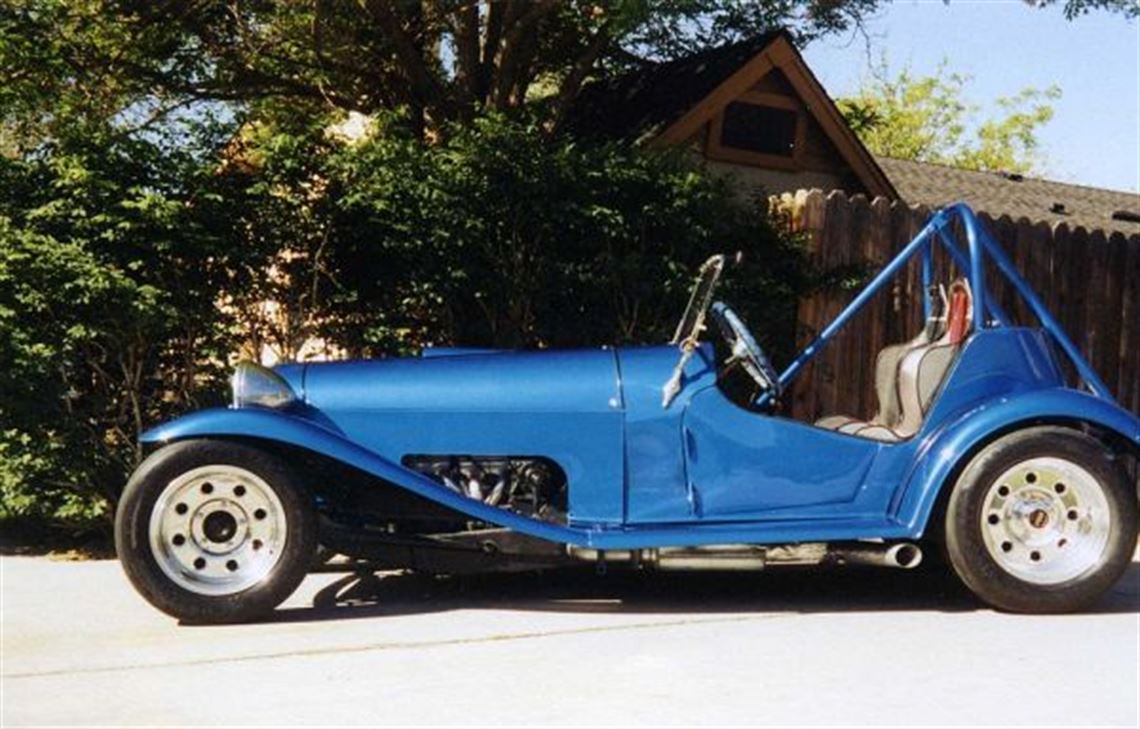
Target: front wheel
1042,520
211,531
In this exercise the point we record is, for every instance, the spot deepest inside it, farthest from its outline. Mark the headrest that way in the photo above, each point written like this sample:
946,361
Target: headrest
961,312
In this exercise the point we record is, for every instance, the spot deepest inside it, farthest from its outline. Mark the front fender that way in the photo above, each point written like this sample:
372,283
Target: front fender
295,430
948,448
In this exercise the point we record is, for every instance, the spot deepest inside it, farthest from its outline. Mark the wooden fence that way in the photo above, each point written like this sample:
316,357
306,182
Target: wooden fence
1090,282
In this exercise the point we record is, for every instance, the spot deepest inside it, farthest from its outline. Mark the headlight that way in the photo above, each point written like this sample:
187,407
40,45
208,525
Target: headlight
257,385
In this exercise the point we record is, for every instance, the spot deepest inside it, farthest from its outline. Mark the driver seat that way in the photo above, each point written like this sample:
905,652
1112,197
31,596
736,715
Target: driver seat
908,375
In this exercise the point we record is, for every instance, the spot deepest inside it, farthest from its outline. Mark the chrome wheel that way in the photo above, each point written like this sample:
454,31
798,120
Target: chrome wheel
1046,521
217,530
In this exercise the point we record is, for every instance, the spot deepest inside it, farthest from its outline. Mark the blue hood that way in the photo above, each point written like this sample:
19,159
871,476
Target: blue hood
582,380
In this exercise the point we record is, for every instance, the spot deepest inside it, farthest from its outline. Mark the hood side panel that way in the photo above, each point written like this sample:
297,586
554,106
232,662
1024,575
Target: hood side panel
539,381
564,405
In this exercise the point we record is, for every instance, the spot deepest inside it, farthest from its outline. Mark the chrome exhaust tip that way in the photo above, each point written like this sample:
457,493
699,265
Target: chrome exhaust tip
906,556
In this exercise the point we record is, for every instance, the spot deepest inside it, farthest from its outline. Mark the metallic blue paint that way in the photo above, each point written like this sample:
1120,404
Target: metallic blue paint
979,424
458,351
657,488
294,428
743,465
703,470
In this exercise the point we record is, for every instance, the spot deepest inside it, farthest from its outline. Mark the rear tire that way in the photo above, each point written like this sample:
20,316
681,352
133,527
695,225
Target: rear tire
211,531
1042,520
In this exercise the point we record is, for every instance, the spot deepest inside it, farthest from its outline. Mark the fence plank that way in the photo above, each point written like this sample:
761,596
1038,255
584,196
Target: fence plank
1128,373
838,250
855,375
878,252
809,219
1096,306
1116,254
1036,242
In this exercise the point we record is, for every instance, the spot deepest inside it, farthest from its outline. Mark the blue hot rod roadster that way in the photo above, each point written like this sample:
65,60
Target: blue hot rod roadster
658,457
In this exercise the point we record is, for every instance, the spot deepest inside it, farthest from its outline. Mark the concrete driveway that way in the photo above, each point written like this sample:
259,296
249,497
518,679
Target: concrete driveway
823,647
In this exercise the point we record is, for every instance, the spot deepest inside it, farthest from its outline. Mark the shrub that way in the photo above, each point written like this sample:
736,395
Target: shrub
107,320
130,271
500,236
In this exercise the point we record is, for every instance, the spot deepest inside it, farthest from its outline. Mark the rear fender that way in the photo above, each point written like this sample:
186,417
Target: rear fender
949,449
294,430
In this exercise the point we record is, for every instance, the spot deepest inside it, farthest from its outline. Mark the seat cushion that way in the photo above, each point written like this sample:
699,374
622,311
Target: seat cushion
863,429
835,422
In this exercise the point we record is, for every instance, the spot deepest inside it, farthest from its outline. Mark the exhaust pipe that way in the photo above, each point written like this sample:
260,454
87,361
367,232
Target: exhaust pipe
904,555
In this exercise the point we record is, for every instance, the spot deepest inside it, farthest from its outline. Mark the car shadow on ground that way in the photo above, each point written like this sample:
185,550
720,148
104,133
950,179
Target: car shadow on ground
791,590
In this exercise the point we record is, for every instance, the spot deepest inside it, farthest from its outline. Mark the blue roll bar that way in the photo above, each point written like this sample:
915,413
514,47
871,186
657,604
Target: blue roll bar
979,244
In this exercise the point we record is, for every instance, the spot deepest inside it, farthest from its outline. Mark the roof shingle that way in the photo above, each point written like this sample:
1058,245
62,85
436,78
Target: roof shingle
1001,194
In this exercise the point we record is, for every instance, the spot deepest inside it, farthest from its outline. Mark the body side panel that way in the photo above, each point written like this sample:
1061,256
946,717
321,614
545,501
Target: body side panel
657,488
298,431
743,464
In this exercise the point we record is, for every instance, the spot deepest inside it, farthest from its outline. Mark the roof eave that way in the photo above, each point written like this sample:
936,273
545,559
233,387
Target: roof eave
781,53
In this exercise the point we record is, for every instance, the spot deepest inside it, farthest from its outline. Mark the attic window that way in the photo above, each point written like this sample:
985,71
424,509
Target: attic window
761,129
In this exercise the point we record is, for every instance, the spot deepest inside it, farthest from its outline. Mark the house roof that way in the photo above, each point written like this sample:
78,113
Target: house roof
1000,193
641,104
666,103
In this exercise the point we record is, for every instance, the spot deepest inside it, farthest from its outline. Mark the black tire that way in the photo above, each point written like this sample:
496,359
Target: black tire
141,495
1000,587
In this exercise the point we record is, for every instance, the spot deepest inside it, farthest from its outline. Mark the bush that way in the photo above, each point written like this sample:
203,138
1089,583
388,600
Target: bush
499,236
131,272
108,320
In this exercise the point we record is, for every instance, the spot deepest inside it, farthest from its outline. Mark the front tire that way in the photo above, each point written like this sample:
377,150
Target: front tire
1041,521
211,531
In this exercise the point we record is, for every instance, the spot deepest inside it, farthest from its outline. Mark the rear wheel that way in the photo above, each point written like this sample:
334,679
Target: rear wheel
212,531
1041,520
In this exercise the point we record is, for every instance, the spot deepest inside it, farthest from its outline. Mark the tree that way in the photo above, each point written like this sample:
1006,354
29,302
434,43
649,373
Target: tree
1076,8
440,60
926,118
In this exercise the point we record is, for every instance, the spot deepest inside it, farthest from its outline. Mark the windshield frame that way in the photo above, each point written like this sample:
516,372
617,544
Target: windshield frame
696,311
692,324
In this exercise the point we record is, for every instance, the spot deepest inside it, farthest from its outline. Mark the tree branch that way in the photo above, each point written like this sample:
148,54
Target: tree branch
425,86
578,72
467,49
492,36
509,65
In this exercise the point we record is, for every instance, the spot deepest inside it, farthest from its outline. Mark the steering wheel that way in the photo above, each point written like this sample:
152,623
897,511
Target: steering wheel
745,350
